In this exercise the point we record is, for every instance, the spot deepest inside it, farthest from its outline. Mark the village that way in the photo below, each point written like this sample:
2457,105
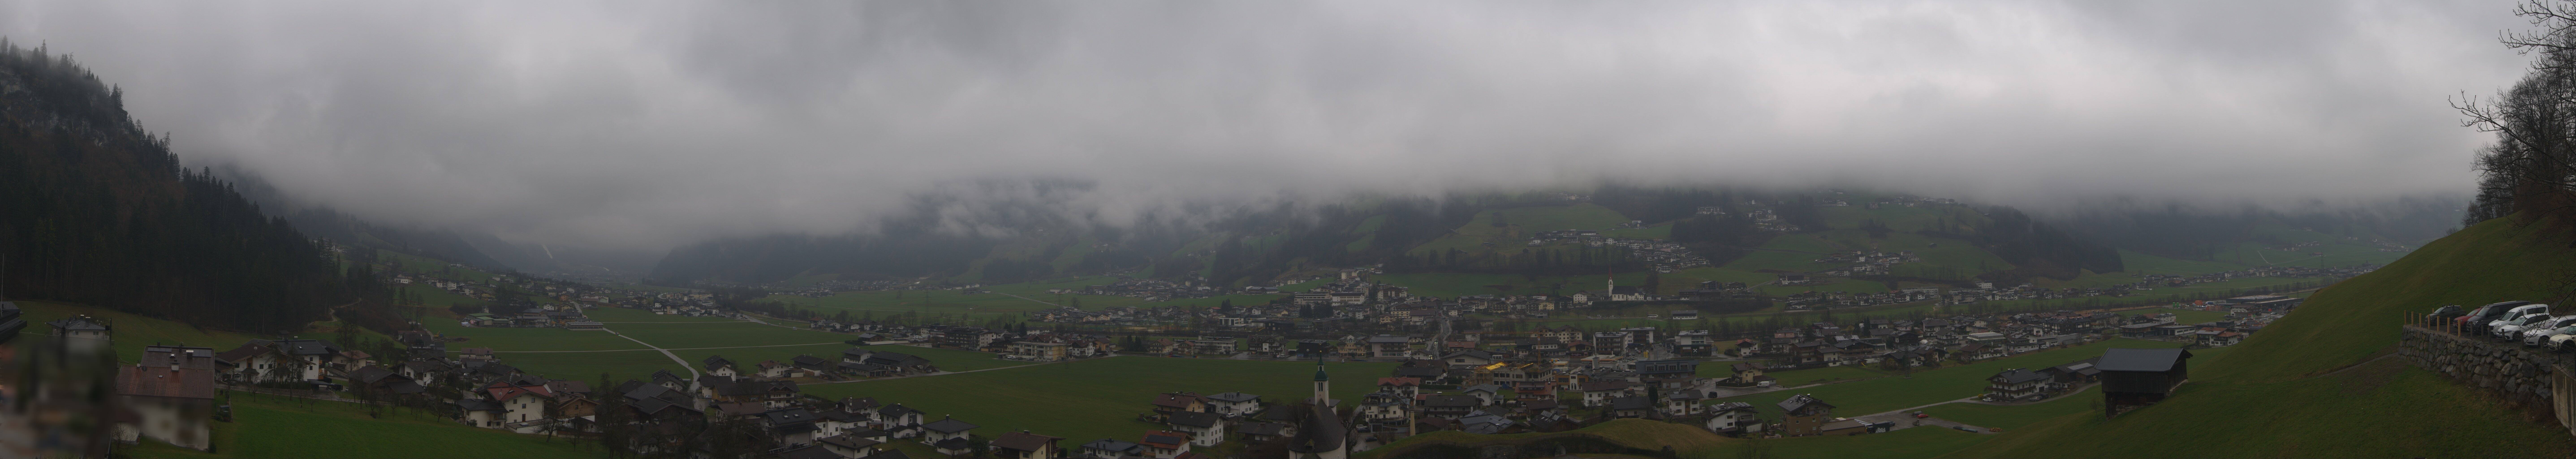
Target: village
1452,372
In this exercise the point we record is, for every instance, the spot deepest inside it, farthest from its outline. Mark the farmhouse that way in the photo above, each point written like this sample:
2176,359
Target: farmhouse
169,396
2015,385
1806,415
1024,445
948,435
2139,377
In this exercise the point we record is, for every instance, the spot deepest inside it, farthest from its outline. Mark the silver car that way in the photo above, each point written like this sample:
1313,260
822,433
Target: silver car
2537,334
2560,339
2513,328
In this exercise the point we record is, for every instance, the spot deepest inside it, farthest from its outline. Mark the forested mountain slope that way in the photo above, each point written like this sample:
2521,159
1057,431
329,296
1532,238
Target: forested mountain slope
96,210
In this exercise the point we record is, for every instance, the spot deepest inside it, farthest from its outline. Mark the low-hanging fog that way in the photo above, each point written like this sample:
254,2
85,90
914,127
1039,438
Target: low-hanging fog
646,124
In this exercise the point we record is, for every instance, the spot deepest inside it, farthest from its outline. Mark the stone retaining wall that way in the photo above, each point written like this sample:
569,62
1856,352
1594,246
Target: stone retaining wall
2505,369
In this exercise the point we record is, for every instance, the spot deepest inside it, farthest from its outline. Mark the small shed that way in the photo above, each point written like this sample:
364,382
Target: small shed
2139,377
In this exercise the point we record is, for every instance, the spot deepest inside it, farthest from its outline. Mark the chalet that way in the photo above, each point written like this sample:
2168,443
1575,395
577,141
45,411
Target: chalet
522,399
849,446
717,365
1385,346
2015,385
900,421
1039,351
1205,429
1631,407
167,396
790,426
1112,449
1733,418
901,363
1024,445
1401,387
2140,377
1806,415
1234,404
2077,372
1259,432
948,435
1449,406
1165,444
1177,402
82,327
1599,393
1211,346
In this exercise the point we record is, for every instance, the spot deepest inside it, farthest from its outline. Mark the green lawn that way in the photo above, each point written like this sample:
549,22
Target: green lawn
277,427
587,366
618,316
1794,378
723,334
2014,417
1913,442
1093,399
529,339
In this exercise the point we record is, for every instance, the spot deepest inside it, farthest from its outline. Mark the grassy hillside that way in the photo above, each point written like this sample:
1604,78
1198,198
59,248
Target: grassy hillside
2294,391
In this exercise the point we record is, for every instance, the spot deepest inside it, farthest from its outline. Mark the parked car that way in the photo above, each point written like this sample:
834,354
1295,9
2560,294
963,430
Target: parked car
2558,339
2516,313
2506,330
2536,334
2488,313
2564,340
2446,313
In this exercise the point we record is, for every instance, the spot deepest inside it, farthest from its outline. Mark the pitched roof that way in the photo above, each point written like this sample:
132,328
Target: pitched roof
1024,441
1451,401
244,352
2124,359
1196,419
1631,403
2017,376
165,382
1112,445
949,425
1800,401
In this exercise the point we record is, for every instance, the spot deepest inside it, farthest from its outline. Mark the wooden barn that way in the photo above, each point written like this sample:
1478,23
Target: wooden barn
2140,377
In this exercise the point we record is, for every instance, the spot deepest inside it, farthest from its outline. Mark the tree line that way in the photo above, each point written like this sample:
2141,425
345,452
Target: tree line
96,210
2531,167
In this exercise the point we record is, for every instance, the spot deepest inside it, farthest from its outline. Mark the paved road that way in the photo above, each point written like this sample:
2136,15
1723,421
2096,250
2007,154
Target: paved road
954,372
684,364
674,349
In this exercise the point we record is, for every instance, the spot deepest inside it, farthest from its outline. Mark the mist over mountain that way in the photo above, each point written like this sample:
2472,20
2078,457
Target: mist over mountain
635,128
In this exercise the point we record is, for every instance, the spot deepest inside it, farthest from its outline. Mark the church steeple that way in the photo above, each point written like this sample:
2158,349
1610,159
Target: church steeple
1322,382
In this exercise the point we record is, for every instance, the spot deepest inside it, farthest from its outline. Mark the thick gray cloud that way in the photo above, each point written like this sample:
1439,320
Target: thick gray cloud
643,124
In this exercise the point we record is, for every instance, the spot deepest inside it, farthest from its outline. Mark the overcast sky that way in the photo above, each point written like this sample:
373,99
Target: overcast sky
645,124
